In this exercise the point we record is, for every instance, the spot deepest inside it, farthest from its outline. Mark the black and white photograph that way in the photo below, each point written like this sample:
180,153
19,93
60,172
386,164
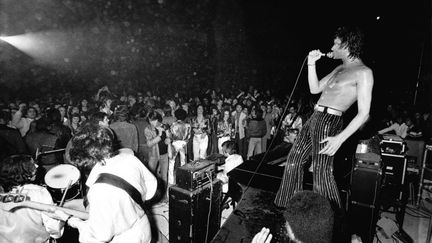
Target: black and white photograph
223,121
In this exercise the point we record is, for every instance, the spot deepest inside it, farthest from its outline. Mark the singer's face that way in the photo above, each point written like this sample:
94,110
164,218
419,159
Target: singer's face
338,49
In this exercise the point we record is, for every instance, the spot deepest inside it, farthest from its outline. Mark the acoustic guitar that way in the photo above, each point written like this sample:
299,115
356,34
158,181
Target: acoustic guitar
13,201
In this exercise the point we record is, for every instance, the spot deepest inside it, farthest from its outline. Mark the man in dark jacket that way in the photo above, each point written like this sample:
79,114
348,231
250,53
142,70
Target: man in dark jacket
11,141
256,130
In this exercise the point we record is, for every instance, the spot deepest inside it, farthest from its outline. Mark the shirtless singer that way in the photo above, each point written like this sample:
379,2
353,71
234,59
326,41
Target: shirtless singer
323,133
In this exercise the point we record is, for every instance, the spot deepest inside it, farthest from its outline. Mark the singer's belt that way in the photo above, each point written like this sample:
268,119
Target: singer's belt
328,110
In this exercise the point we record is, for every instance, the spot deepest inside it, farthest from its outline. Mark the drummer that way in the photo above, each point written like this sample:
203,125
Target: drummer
17,174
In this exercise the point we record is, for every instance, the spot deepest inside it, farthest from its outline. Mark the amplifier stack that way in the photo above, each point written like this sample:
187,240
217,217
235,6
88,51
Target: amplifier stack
195,203
366,180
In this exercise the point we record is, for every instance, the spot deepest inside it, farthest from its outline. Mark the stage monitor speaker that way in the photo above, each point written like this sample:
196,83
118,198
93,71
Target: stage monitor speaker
189,211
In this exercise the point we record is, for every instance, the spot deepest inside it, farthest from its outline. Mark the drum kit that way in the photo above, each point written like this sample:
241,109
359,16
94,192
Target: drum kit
63,181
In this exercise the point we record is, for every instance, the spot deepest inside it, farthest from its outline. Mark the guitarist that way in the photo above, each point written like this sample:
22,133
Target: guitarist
17,173
291,125
114,216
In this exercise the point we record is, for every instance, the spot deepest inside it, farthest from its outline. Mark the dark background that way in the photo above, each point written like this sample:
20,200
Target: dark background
213,43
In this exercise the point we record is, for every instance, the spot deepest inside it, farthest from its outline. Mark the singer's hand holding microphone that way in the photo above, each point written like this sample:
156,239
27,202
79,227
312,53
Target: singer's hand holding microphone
315,55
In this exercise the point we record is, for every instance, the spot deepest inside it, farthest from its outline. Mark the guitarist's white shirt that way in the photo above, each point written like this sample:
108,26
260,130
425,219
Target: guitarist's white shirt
113,215
29,225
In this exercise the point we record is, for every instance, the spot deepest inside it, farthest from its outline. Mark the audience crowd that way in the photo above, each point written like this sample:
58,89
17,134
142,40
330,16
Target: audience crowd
171,128
256,120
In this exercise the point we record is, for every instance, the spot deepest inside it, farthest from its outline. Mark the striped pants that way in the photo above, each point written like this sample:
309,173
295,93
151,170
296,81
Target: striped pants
319,126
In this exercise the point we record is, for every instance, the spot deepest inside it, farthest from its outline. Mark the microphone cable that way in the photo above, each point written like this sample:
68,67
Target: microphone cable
277,128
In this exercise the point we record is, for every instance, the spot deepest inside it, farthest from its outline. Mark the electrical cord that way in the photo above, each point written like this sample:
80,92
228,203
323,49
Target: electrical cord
163,216
277,129
210,206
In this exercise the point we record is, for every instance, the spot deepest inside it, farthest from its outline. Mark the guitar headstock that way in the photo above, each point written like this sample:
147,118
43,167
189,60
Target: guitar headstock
10,201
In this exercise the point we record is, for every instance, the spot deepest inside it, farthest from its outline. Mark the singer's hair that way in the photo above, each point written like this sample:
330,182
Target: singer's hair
352,38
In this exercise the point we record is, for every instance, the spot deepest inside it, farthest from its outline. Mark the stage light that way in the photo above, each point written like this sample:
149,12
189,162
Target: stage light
378,17
42,46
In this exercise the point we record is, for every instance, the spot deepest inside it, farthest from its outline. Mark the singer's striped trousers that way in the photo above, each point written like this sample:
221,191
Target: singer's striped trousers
319,126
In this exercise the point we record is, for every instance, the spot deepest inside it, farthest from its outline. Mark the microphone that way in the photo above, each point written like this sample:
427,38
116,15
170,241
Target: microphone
328,54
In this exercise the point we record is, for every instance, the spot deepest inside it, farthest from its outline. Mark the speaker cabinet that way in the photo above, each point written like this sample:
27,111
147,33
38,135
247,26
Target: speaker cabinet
365,185
364,200
394,169
189,211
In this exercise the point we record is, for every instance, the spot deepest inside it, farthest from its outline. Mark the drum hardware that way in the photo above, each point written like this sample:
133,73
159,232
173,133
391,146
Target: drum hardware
64,193
48,152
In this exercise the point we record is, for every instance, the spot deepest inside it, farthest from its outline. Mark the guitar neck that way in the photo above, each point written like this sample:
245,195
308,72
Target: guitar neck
51,208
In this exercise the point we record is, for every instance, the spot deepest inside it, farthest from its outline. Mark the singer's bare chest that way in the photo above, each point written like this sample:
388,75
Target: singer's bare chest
343,78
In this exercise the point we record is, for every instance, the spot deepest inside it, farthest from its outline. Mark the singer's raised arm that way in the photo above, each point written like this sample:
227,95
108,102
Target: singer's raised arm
316,86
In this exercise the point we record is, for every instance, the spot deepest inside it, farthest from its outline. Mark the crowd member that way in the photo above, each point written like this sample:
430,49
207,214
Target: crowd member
168,117
418,125
213,138
232,160
11,141
239,118
42,141
292,121
113,215
17,173
180,134
55,126
163,144
100,118
105,106
399,128
155,134
126,133
83,106
256,130
63,118
224,129
21,122
268,118
75,121
201,129
141,123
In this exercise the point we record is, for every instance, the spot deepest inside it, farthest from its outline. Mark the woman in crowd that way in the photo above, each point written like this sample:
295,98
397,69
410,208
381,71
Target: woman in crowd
201,129
75,122
213,141
224,129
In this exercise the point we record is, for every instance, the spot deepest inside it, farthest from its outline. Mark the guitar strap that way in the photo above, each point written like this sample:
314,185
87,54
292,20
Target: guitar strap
122,184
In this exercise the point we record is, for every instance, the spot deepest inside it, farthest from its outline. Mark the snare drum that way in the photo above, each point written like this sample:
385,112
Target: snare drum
59,177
